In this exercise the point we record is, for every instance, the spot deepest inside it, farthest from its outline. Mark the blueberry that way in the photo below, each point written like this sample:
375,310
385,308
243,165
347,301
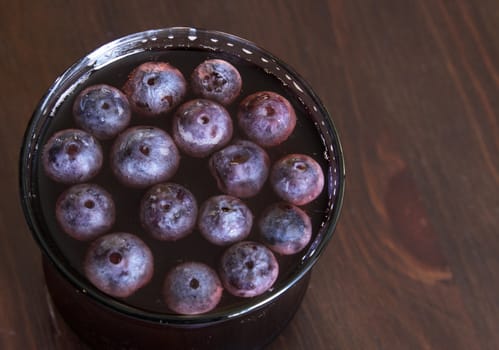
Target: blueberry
224,220
72,156
192,288
285,228
201,127
248,269
119,264
102,110
240,169
168,211
266,118
297,178
155,88
217,80
85,211
142,156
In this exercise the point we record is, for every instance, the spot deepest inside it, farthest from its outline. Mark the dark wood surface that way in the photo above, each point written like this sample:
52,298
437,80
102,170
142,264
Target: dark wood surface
413,87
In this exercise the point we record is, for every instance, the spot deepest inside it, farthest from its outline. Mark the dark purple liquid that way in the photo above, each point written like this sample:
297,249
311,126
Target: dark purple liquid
193,173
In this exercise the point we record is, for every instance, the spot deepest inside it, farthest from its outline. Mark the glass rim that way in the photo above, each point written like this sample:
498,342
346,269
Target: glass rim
107,53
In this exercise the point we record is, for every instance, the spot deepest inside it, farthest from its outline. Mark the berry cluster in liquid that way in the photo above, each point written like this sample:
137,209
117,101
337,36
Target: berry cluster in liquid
193,174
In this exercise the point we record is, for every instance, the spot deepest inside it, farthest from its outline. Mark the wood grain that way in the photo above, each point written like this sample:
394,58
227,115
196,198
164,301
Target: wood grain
413,87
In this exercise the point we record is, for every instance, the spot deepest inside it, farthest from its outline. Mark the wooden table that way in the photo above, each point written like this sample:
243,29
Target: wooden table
413,87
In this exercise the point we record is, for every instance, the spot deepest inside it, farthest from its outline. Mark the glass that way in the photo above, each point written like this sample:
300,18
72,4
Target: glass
107,322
